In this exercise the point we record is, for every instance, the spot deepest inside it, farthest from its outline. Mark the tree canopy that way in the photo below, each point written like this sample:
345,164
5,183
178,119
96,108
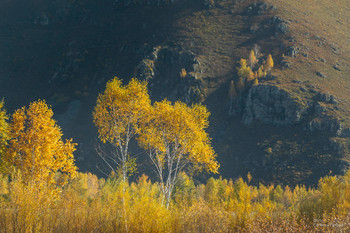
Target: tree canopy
36,147
175,137
117,115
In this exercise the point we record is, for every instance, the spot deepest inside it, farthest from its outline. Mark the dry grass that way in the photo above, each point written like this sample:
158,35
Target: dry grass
321,30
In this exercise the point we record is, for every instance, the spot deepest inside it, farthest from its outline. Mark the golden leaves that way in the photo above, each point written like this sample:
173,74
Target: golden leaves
269,63
119,109
36,147
179,130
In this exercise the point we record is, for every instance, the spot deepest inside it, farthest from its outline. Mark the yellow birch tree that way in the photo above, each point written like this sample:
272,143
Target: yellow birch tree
269,63
175,138
117,115
36,147
252,59
244,71
4,135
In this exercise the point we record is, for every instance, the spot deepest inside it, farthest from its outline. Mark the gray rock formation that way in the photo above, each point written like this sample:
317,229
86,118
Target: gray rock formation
271,105
325,124
260,8
293,51
172,74
320,74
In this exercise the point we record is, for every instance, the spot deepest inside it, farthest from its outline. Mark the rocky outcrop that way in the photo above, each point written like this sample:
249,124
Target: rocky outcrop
271,105
325,124
258,8
172,74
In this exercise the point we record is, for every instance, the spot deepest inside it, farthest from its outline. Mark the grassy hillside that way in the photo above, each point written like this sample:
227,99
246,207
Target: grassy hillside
66,51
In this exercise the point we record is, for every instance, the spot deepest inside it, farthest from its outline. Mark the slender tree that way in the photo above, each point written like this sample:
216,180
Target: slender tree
252,59
4,135
117,115
175,138
269,63
240,84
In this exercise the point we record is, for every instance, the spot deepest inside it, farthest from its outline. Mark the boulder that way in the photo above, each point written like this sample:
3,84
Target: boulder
292,51
320,74
326,124
271,105
260,8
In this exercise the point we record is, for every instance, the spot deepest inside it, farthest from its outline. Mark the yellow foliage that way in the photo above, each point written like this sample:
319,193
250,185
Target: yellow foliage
36,147
182,129
218,206
261,73
252,59
175,136
119,110
269,63
244,71
183,73
117,116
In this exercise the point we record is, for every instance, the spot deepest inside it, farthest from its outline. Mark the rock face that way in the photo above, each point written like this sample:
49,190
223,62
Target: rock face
172,74
271,105
258,8
279,24
325,124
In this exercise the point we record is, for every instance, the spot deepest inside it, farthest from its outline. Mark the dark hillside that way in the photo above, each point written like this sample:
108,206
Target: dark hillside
293,127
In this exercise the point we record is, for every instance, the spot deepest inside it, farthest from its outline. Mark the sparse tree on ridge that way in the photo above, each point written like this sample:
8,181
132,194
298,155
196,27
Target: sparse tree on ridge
269,63
252,59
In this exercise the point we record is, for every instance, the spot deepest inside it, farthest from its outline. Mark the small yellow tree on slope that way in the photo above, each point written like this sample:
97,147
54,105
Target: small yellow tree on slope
36,147
269,63
175,137
252,59
117,115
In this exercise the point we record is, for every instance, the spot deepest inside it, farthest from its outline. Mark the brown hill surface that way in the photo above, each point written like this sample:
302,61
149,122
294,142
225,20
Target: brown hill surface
291,128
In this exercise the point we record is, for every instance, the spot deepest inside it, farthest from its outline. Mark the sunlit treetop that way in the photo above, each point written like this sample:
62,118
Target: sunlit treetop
179,131
36,147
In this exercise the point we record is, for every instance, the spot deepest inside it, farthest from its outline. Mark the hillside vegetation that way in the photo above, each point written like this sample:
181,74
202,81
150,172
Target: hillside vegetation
271,77
90,204
66,51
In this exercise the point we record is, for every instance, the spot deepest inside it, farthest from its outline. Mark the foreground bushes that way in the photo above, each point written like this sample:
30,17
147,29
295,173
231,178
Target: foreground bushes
89,204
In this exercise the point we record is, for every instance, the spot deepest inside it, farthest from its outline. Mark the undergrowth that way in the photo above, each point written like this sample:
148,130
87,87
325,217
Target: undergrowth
89,204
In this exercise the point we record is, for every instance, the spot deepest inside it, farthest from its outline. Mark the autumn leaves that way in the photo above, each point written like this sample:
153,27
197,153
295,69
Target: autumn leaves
172,134
251,71
34,146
